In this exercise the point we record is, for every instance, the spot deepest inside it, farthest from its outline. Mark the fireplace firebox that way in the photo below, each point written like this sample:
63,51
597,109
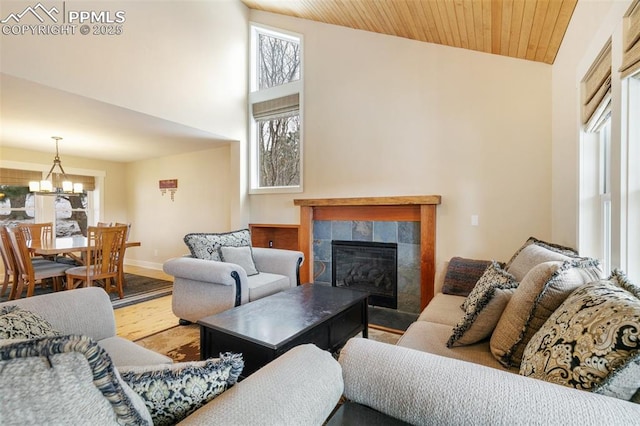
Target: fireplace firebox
368,266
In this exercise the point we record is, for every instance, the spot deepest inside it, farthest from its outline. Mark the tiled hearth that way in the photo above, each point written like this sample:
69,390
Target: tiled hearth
405,234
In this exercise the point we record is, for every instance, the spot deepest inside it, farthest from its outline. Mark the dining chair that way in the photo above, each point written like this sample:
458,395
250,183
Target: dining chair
37,232
29,272
9,263
105,249
128,225
103,224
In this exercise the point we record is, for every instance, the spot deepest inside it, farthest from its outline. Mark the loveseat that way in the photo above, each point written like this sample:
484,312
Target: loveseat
49,380
223,271
503,359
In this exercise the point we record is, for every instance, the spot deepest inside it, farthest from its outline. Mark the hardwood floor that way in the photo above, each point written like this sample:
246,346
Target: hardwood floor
146,318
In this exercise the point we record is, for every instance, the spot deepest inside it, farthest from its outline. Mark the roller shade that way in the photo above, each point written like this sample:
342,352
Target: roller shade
88,182
631,40
275,107
596,84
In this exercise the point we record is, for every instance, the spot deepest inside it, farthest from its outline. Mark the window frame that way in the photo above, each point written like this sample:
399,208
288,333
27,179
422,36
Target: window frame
256,96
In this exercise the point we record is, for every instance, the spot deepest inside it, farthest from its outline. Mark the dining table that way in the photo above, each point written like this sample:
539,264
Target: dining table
73,247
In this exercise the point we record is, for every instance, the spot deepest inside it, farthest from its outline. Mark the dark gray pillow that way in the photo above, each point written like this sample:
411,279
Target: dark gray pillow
462,275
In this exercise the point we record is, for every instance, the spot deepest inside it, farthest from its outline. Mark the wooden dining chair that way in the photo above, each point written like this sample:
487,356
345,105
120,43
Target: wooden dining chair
103,260
29,272
37,232
9,263
128,225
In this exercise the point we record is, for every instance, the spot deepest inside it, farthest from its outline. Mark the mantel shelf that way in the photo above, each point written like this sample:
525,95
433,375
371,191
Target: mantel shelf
370,201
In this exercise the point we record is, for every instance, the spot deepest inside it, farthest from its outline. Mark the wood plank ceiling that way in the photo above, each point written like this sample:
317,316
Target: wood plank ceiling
524,29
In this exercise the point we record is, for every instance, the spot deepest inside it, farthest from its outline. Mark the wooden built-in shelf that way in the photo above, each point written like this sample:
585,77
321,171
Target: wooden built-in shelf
404,208
274,236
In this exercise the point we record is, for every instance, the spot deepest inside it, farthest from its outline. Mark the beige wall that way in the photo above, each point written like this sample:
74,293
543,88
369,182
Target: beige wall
388,116
203,186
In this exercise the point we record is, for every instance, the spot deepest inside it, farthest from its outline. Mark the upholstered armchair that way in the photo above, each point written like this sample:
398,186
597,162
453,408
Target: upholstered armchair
204,287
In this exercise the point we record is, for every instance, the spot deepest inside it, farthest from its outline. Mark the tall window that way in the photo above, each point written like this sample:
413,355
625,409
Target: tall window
632,86
276,119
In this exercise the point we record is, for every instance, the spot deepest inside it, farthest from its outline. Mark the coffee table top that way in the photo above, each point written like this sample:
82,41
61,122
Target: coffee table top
276,319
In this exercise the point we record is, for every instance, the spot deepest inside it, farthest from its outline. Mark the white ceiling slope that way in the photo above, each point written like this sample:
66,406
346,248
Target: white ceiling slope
30,113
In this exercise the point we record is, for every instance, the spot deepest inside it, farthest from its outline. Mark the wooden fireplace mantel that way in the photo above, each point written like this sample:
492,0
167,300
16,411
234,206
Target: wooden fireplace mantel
420,208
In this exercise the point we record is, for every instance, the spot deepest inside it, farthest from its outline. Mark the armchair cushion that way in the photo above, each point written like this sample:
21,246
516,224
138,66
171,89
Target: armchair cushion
172,392
205,245
592,341
241,256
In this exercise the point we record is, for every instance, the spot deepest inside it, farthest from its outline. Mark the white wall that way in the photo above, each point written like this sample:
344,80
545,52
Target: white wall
389,116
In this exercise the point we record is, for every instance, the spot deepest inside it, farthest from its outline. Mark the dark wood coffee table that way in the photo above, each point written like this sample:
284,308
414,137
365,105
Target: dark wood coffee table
266,328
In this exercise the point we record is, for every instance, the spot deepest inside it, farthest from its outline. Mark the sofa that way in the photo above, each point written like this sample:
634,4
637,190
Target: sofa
434,376
223,271
45,389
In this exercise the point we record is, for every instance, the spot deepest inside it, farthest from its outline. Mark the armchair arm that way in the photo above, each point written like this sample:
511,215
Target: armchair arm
279,261
208,271
422,388
302,387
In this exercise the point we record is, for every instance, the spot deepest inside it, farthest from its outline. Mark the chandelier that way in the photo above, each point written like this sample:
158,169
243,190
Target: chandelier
46,186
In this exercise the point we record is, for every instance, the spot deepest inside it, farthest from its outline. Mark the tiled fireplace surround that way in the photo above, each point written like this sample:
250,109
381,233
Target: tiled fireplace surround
409,221
405,234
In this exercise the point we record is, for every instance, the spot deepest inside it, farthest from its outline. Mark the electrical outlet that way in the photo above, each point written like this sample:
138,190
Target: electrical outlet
475,221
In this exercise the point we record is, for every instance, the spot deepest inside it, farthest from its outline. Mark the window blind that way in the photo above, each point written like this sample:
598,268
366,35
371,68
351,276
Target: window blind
275,107
596,84
14,177
631,40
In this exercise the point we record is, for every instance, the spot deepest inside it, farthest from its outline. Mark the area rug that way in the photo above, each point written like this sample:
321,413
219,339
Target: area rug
182,343
137,289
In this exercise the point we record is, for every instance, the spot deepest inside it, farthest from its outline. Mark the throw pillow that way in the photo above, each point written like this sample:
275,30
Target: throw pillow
592,341
18,323
172,392
462,275
242,256
484,305
539,294
205,245
64,380
535,251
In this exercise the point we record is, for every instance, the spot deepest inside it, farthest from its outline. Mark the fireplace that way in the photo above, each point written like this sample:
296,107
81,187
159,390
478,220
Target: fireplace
368,266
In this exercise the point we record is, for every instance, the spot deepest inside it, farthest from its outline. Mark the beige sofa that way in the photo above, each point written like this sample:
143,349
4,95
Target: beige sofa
276,394
423,381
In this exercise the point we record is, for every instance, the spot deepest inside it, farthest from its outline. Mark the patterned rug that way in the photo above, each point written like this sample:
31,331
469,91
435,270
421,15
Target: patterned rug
137,289
182,343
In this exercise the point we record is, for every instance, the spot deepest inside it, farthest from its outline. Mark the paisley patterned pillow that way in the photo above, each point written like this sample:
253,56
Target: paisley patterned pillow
592,341
18,323
483,306
172,392
206,246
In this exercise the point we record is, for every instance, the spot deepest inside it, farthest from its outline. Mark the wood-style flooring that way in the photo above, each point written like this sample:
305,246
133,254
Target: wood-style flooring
143,319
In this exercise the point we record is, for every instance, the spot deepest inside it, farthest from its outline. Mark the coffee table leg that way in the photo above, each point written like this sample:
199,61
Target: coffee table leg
365,318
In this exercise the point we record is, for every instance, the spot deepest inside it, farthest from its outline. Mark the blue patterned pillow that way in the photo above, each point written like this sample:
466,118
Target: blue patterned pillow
18,323
206,245
592,341
172,392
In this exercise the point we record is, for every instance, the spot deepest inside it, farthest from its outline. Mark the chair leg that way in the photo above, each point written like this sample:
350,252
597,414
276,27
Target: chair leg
5,284
31,288
16,289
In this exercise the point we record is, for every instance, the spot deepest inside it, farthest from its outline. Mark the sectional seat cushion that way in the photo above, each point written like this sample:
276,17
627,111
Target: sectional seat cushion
539,294
443,309
592,341
462,275
172,392
206,245
484,306
534,252
65,380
